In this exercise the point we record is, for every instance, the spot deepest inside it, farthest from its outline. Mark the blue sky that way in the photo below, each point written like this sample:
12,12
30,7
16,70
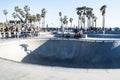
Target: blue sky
67,7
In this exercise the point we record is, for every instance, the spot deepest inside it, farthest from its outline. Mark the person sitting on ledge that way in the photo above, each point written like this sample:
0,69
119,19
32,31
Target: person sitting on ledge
78,34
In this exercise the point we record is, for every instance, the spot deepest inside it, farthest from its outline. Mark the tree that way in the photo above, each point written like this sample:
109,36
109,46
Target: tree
65,22
84,13
38,16
5,12
26,9
16,9
83,20
43,13
83,10
71,20
60,14
89,16
103,10
14,16
95,21
20,14
79,13
34,18
29,16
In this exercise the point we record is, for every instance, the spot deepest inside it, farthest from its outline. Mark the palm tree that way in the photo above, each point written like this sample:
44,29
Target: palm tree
5,12
81,10
95,21
84,13
79,18
79,13
19,13
22,14
83,20
60,14
103,9
89,16
43,13
29,16
14,16
26,9
38,16
34,18
65,22
16,10
71,20
93,16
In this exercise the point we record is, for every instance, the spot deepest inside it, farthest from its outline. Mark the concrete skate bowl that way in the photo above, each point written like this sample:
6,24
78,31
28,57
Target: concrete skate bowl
64,53
104,35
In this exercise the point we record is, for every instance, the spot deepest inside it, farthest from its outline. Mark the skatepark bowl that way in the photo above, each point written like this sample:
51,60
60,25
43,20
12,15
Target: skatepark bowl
93,53
60,58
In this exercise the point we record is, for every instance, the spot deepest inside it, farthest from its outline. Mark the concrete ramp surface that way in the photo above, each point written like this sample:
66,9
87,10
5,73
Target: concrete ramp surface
65,53
59,60
19,71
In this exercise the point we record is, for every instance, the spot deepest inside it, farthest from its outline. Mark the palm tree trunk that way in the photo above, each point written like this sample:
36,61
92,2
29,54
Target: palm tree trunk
103,25
44,22
14,21
61,25
104,21
92,23
84,24
21,20
88,23
71,26
95,24
81,23
6,19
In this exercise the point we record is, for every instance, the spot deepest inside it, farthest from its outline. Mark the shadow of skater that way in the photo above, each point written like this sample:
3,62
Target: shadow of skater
25,47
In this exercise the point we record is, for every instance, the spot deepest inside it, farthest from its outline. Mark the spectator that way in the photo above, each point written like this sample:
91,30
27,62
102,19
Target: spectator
6,32
2,32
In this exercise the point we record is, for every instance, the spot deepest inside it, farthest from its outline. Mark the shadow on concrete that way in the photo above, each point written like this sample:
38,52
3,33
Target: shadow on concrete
75,54
25,48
